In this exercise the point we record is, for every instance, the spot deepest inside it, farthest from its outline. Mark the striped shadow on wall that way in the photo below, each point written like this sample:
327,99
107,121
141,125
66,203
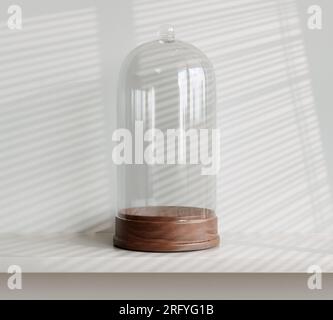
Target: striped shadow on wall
273,177
53,170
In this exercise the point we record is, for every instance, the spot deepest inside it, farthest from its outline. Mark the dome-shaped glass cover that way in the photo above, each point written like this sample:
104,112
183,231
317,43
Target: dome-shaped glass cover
168,152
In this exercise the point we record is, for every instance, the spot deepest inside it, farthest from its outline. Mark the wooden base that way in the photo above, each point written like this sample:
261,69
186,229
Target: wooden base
166,229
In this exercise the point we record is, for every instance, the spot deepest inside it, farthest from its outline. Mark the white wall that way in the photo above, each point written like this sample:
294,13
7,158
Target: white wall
58,83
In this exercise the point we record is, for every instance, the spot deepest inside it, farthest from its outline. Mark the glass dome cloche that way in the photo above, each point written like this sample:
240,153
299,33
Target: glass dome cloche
166,148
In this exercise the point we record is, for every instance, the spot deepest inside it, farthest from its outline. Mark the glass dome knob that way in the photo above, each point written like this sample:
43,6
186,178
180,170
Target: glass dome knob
167,33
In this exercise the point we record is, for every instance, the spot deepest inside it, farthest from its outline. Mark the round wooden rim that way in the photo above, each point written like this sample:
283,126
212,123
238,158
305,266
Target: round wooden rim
166,229
160,246
166,213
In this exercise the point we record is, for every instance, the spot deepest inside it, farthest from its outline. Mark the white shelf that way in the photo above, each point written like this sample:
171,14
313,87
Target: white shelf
95,253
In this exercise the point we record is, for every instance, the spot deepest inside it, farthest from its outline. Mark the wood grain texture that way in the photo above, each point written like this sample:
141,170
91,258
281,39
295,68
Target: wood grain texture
166,229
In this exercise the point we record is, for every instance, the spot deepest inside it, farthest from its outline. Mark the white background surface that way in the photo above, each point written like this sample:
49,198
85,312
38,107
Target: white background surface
58,83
